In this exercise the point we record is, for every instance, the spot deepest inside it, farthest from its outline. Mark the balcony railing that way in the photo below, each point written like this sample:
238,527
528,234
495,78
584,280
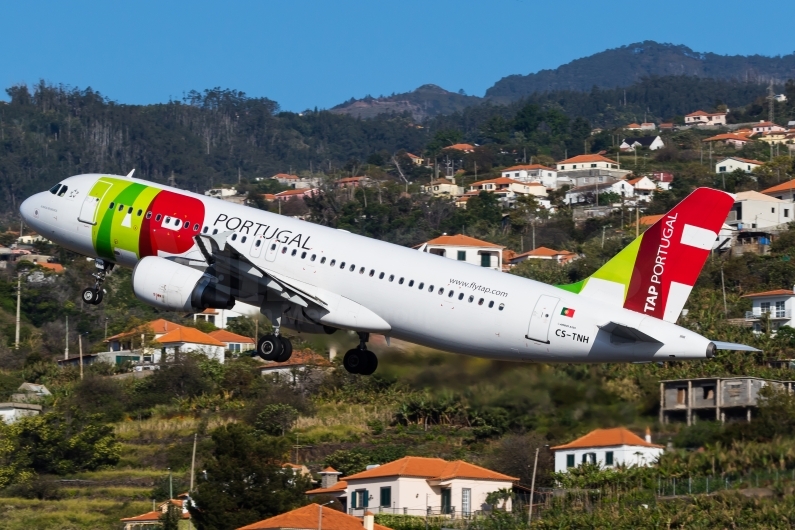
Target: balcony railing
431,511
757,313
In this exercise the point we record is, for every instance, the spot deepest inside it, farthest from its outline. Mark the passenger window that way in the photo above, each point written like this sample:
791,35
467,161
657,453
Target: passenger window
411,283
243,239
441,290
342,265
381,276
129,210
196,227
273,247
215,231
460,296
353,268
391,277
158,217
284,250
168,220
206,228
313,257
323,260
332,262
111,205
234,237
294,252
372,272
177,222
258,243
430,289
54,189
139,212
471,298
480,302
121,207
400,281
148,215
303,255
361,271
63,191
502,306
422,284
450,294
491,304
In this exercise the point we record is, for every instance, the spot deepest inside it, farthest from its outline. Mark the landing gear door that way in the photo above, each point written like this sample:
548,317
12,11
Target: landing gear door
273,249
538,330
88,212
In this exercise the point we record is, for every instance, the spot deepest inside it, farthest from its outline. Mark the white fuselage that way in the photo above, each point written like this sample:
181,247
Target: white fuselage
440,303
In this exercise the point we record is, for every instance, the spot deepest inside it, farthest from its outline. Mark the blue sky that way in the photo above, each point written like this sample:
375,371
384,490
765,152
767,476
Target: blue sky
319,53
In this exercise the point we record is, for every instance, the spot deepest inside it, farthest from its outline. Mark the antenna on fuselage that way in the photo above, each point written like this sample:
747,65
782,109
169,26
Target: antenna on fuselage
130,174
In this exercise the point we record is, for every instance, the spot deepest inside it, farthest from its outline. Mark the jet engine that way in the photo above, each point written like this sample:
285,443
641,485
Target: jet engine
168,285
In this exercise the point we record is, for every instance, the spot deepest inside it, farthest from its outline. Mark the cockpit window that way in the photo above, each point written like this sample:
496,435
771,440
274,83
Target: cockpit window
63,191
54,189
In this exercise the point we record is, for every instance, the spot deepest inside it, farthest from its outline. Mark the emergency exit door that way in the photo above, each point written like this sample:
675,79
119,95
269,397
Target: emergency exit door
541,318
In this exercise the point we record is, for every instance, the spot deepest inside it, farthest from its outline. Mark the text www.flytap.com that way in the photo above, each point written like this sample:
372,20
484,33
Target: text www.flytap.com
476,287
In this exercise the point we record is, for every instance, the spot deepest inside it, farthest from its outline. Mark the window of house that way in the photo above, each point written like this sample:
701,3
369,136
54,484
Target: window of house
569,460
709,391
786,212
765,307
462,255
772,210
593,165
589,458
466,501
681,396
485,260
722,169
386,497
780,313
608,458
359,499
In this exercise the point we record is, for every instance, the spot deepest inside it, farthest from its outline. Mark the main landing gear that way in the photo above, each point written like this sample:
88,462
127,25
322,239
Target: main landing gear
93,295
274,347
360,360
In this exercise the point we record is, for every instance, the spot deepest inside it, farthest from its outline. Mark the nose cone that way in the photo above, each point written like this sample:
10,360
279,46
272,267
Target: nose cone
28,209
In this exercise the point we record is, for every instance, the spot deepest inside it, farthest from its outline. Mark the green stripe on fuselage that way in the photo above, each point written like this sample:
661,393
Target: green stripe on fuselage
110,232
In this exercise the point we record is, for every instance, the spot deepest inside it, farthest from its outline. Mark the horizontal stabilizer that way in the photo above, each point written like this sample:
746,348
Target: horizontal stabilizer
733,346
619,333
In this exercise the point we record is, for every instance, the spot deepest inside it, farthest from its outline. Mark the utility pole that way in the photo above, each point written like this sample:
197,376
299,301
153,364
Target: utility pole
19,301
723,288
80,349
106,327
532,489
66,350
170,485
193,462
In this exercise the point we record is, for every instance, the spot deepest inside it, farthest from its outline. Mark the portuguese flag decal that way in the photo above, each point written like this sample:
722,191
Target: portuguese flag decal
567,312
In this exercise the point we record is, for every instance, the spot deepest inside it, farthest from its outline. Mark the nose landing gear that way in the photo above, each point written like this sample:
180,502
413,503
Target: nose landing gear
93,295
360,360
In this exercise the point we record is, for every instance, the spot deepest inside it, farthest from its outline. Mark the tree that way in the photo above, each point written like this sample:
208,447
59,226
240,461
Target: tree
276,419
244,481
170,518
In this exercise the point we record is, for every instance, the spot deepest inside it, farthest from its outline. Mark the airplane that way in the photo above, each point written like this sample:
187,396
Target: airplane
190,252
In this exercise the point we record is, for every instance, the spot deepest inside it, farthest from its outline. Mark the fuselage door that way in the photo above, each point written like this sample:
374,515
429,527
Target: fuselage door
273,249
256,247
88,212
538,329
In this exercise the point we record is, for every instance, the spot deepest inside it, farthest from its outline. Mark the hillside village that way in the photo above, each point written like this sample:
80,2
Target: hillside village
145,419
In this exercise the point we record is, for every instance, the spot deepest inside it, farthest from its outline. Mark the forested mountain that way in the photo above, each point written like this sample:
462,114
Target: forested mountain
623,66
422,103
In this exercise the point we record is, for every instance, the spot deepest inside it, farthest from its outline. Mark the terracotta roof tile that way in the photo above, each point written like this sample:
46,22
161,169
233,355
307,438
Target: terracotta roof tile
462,147
606,438
581,159
746,160
55,267
299,358
297,191
527,167
329,469
784,186
776,292
307,518
227,336
285,176
158,327
191,335
431,468
459,240
504,180
338,486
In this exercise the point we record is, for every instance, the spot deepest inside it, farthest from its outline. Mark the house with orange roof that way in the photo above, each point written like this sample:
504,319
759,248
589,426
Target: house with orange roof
643,187
667,126
733,163
754,211
301,365
464,148
330,485
444,187
151,520
560,256
701,118
733,139
774,306
508,188
607,448
533,173
416,486
776,137
632,127
416,160
586,162
765,127
232,341
286,178
150,331
353,182
467,249
189,340
784,191
313,517
298,193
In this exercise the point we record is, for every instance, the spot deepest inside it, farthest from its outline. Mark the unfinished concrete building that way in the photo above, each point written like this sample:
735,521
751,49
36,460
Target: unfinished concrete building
713,398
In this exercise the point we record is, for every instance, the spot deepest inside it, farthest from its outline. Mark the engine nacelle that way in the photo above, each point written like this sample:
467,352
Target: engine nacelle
168,285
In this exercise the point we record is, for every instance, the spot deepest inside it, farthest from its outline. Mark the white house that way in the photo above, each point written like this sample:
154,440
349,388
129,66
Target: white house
643,188
560,256
416,160
232,341
467,249
754,210
774,306
509,187
444,187
700,117
416,486
584,193
607,448
13,411
733,163
290,371
766,127
533,173
190,340
733,139
221,318
586,162
286,178
651,143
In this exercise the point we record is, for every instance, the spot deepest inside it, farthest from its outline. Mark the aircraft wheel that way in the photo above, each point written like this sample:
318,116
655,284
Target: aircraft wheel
287,350
371,363
92,296
269,347
355,360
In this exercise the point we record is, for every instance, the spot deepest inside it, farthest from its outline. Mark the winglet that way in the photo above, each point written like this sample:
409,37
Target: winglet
130,174
655,273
